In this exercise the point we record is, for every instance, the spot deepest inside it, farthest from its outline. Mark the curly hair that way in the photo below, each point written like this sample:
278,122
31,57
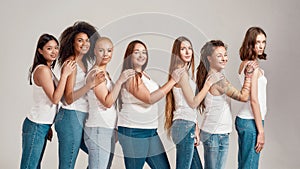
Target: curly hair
67,39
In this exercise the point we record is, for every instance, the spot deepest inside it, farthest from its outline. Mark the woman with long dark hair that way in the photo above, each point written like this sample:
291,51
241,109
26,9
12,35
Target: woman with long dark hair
47,92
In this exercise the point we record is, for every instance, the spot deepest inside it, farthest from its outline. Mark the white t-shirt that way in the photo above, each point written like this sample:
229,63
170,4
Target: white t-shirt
182,109
43,110
217,114
246,111
81,104
98,114
137,114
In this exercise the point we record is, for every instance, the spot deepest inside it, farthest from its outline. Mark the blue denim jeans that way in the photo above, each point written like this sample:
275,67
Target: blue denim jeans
33,143
140,146
183,135
69,128
215,149
248,158
101,144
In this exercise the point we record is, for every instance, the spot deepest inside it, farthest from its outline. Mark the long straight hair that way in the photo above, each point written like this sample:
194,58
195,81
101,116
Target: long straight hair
174,63
38,57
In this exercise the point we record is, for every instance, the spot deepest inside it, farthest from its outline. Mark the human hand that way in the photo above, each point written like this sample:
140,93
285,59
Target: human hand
177,73
260,142
251,66
68,67
214,78
50,134
197,136
125,75
95,77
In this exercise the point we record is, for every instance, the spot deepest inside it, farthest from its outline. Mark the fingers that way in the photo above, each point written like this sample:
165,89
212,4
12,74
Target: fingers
214,78
259,147
197,141
129,73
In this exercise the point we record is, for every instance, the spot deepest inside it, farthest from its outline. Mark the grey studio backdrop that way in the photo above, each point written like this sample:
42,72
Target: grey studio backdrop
157,23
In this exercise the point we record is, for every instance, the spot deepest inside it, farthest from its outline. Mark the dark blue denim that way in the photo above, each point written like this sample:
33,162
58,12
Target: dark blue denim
248,158
140,146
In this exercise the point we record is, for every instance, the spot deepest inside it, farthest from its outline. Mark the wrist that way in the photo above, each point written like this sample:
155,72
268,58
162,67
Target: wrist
119,82
261,132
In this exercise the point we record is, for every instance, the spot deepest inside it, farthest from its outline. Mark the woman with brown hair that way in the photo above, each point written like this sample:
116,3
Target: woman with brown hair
250,119
181,115
138,116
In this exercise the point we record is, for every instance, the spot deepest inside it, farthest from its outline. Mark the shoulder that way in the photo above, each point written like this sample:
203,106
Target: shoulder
42,69
184,80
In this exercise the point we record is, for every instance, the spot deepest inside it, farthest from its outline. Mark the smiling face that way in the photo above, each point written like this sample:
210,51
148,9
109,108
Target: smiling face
103,51
81,44
139,56
186,51
49,51
218,59
260,44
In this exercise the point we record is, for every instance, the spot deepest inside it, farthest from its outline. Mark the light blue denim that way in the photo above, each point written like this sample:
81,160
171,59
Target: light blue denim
33,143
183,135
140,146
248,158
69,128
215,149
101,144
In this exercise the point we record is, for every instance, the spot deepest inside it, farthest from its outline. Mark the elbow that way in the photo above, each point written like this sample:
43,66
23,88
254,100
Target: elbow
69,100
244,99
107,105
193,106
149,101
55,101
254,102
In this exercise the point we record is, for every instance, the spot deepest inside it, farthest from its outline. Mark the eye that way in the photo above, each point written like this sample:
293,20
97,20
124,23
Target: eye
144,53
109,50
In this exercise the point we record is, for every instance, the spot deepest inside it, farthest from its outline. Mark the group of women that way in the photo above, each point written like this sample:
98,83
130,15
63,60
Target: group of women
96,112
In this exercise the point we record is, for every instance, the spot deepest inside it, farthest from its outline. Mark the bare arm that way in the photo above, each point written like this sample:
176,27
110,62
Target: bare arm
43,78
141,92
192,100
256,111
94,78
106,97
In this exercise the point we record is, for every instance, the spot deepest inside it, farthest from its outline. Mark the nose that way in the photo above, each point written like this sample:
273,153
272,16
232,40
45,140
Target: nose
224,58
